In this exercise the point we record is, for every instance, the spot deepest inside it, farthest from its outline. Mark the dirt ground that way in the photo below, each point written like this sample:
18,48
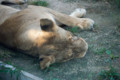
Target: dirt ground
105,37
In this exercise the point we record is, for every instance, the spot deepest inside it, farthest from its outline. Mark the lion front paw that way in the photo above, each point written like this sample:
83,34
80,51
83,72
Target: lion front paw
46,61
86,23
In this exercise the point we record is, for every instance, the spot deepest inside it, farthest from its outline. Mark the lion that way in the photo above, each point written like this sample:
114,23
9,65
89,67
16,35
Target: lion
36,31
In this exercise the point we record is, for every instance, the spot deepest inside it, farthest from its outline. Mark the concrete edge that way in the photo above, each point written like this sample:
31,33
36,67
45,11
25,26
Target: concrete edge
23,74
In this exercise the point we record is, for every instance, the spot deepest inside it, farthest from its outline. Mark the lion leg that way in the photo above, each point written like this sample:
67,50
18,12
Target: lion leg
82,23
77,13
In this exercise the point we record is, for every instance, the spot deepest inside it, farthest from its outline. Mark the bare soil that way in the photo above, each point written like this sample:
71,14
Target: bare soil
105,37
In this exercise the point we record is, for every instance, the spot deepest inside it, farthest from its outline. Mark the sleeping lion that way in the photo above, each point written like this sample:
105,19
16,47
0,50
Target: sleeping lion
36,31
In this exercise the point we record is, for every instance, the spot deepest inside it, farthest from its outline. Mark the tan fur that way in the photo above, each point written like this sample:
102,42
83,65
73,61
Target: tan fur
35,31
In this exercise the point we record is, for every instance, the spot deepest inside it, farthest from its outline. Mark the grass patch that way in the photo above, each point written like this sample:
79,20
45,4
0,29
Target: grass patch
95,26
111,55
11,71
73,29
110,74
118,2
100,50
39,3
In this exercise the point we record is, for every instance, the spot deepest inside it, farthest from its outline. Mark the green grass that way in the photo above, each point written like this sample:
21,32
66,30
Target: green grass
117,2
100,50
73,29
112,56
39,3
11,72
95,25
110,74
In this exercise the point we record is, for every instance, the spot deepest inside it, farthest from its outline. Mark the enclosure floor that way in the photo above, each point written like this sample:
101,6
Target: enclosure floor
87,68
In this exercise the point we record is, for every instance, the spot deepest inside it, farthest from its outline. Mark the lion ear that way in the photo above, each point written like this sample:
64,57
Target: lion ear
46,25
